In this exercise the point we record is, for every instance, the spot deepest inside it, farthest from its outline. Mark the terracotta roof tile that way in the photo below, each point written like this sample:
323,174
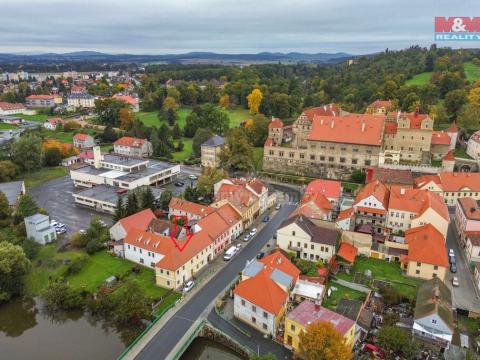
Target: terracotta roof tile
347,251
190,207
275,124
130,142
329,188
140,220
426,245
440,138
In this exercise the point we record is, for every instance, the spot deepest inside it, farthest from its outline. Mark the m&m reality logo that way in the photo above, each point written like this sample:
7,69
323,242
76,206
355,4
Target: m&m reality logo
459,28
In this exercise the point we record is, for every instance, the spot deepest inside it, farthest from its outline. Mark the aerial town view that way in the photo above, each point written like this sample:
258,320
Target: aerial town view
265,180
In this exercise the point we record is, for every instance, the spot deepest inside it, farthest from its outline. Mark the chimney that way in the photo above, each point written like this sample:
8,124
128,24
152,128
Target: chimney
402,191
321,121
332,124
97,157
363,126
317,302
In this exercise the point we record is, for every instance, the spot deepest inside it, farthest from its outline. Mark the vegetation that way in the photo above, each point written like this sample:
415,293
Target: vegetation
43,175
397,342
13,266
341,292
322,341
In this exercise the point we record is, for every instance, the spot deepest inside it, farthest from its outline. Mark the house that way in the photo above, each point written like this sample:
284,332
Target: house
310,240
232,217
132,101
83,141
331,189
476,275
467,222
51,124
427,254
307,290
210,151
389,177
130,146
39,229
193,211
473,145
315,206
345,220
451,185
11,108
261,296
13,190
308,312
41,101
81,100
409,208
433,316
71,160
76,89
371,205
380,107
139,220
347,252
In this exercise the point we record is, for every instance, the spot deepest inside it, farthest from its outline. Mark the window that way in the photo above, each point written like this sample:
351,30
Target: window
265,315
322,158
331,158
419,264
435,267
265,327
254,308
254,320
354,161
312,247
368,162
141,261
434,321
292,327
312,157
417,272
243,302
293,233
342,160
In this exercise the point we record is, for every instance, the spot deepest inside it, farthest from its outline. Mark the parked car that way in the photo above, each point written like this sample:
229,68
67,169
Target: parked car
188,286
260,255
82,231
455,281
253,231
453,268
53,223
238,246
278,206
230,253
247,237
451,252
179,183
266,218
61,229
192,177
452,260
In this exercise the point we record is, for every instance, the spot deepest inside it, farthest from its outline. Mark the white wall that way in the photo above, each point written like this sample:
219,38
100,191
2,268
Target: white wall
136,253
245,313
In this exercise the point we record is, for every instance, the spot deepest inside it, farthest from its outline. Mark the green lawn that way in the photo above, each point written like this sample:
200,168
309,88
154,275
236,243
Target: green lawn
148,118
384,270
38,117
258,158
47,264
187,150
342,292
4,126
65,137
420,79
462,153
43,175
472,71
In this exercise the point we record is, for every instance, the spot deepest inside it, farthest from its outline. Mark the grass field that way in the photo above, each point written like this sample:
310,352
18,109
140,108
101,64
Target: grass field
4,126
187,150
462,153
258,158
342,292
472,71
419,79
38,117
65,137
43,175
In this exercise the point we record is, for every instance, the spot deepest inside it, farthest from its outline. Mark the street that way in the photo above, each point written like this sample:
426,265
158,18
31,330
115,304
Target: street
165,340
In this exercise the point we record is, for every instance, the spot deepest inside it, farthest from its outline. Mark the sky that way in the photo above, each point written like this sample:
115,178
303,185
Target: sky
224,26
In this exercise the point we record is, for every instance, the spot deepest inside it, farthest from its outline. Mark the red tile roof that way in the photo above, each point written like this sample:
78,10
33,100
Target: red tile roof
351,129
391,127
326,110
388,104
440,138
130,142
190,207
55,121
329,188
452,181
277,260
40,97
453,127
139,220
11,106
344,214
268,142
126,98
376,189
391,176
470,207
308,313
449,156
81,137
347,251
275,124
426,245
236,195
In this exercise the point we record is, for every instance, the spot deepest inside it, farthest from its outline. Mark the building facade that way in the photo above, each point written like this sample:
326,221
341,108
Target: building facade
130,146
210,151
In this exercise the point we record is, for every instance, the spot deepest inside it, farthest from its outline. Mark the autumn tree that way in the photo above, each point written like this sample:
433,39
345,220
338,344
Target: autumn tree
469,117
474,97
254,100
170,103
322,341
8,170
224,101
125,115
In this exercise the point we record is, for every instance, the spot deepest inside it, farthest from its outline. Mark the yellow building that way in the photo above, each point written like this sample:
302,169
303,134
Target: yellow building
307,313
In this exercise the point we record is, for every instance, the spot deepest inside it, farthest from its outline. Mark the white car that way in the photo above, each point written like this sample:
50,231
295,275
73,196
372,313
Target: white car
53,223
451,252
253,231
455,281
238,246
82,231
247,237
188,286
192,177
278,206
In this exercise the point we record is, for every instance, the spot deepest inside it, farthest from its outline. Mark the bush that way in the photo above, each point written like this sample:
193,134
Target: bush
93,246
77,264
59,295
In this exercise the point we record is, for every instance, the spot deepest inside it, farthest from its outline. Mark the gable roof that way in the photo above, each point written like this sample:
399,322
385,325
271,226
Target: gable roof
452,181
376,189
140,220
347,251
130,142
426,245
215,141
344,214
190,207
434,297
325,110
278,261
131,100
81,137
318,234
275,124
329,188
440,138
11,106
470,207
387,104
390,176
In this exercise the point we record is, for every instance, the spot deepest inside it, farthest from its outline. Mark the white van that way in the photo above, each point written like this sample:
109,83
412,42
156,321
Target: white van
229,253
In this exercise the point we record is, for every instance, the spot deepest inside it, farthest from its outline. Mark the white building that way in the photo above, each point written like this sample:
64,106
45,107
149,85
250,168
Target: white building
133,147
11,109
473,146
81,100
39,229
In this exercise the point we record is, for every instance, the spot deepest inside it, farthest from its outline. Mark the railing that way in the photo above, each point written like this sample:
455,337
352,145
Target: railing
189,340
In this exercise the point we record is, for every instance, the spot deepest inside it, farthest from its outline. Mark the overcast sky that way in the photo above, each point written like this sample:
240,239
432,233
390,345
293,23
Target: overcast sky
227,26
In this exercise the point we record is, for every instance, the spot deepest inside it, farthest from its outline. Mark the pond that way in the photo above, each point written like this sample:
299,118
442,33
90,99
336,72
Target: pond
29,332
202,349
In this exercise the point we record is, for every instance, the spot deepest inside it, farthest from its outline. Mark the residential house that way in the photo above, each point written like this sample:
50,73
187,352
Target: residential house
83,141
310,240
370,207
132,101
345,220
43,101
473,145
130,146
305,289
451,185
427,254
307,313
261,296
13,190
380,107
433,316
11,109
467,221
409,208
390,177
51,124
314,206
76,89
139,220
210,151
331,189
39,229
81,100
193,211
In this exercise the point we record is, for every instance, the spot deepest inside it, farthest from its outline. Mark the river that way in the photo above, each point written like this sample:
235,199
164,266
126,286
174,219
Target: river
205,349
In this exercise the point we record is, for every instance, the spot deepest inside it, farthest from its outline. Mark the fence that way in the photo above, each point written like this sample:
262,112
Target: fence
189,340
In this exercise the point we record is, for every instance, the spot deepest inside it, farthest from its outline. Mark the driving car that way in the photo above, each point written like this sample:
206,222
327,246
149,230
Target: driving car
247,237
188,286
453,268
452,260
455,281
253,231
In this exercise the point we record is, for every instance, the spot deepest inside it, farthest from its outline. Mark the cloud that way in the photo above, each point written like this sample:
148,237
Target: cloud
156,27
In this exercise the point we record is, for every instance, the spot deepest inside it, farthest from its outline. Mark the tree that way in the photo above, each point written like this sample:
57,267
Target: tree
26,206
180,146
119,210
5,210
322,341
200,137
170,103
454,100
191,125
13,267
209,178
176,132
108,111
268,356
358,176
148,199
132,204
71,125
238,153
397,342
469,117
8,170
474,97
171,116
27,152
52,156
59,295
125,115
165,198
254,100
439,114
257,132
131,303
214,118
224,101
109,135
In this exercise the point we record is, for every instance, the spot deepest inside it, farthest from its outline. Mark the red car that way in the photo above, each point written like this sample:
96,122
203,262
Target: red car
375,350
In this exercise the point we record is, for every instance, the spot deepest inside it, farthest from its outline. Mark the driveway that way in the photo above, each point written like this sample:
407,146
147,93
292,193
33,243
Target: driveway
55,196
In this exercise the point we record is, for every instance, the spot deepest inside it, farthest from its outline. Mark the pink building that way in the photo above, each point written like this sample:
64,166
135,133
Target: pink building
467,221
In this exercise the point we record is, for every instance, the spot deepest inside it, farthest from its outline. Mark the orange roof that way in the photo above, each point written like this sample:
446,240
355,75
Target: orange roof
426,245
344,214
11,106
376,189
81,137
352,129
263,292
126,98
390,127
229,214
415,119
388,104
190,207
310,211
140,220
275,124
440,138
40,97
55,121
256,185
416,201
371,210
347,251
268,142
235,194
421,181
470,207
318,199
449,156
452,181
453,127
277,260
130,142
329,188
325,110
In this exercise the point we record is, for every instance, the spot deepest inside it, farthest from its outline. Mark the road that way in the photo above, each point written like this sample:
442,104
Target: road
198,306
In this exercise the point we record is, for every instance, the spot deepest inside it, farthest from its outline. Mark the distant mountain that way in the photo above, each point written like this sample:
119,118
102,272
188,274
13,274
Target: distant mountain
204,57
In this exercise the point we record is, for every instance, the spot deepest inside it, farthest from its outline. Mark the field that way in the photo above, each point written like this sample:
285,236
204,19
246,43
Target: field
419,79
342,292
65,137
472,71
43,175
38,117
258,158
187,150
4,126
